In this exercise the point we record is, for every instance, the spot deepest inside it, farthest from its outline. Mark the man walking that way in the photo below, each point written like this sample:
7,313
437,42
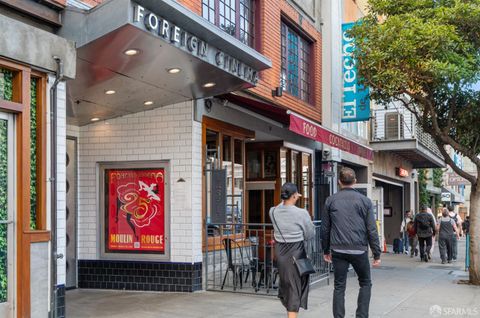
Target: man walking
425,229
458,221
348,228
447,229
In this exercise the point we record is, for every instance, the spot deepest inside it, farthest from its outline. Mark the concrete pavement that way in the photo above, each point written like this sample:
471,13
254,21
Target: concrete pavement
402,287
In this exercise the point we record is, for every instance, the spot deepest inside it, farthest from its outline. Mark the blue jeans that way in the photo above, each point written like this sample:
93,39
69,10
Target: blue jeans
454,246
361,265
405,242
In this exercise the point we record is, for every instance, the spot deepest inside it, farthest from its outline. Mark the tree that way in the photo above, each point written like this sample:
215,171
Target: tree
425,54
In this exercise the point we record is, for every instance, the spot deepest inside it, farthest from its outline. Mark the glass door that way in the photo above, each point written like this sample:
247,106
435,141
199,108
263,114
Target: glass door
7,204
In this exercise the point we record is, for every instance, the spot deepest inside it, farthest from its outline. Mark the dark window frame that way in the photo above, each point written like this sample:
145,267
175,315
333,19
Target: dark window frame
296,61
242,13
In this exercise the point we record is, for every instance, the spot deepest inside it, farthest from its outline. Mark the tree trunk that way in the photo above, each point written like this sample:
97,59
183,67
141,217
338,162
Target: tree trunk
475,235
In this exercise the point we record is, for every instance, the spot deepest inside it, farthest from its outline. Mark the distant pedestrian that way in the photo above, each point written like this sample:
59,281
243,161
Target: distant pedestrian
403,230
425,229
432,248
458,221
412,238
348,228
292,226
466,225
447,229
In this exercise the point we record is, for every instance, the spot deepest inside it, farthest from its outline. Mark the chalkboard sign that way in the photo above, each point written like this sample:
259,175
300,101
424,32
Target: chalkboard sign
218,196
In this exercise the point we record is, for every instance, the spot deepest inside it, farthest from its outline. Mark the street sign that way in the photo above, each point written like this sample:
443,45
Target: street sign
446,197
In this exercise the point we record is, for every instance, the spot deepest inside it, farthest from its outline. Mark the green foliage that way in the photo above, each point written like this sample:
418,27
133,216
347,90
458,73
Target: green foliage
426,54
33,153
424,197
6,93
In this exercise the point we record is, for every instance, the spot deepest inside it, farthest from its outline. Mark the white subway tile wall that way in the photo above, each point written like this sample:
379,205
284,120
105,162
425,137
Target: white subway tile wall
165,133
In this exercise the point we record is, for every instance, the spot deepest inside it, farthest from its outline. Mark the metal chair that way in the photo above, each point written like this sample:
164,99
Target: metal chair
237,267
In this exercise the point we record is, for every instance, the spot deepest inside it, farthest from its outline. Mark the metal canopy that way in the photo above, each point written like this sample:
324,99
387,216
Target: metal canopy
105,33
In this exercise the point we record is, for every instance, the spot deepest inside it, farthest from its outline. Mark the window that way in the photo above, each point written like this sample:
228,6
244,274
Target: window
233,16
296,52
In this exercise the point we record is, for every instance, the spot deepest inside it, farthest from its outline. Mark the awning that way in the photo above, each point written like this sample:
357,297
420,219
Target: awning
316,132
177,56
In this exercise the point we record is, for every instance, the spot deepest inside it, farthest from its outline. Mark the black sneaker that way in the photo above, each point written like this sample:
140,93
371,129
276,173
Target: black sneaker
449,262
443,262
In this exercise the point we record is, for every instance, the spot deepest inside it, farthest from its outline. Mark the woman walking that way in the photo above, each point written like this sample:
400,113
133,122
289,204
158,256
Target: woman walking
292,226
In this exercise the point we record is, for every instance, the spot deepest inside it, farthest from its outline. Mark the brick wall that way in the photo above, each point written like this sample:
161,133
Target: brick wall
164,133
271,13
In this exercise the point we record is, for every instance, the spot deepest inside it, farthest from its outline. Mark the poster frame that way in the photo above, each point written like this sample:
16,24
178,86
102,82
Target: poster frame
101,167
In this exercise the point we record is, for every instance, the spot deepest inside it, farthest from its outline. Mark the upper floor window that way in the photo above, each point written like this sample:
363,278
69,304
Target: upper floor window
233,16
296,54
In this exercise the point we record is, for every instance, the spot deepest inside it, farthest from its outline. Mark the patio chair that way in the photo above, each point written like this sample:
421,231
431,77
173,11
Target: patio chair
234,265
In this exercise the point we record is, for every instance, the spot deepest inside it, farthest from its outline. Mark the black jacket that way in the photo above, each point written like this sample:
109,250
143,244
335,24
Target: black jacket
348,223
425,218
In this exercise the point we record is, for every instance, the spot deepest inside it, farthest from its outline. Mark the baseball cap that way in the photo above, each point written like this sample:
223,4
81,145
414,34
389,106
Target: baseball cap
288,189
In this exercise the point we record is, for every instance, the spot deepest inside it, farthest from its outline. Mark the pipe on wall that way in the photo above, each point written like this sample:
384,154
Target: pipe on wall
53,187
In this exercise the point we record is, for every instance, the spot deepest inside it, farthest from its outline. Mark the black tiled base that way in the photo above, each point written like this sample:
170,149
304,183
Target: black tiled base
147,276
61,301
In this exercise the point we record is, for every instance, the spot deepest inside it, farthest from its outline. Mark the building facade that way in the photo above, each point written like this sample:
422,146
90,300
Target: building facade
34,65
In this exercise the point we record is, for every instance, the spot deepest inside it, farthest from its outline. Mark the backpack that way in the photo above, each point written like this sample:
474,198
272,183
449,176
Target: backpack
424,223
455,218
411,228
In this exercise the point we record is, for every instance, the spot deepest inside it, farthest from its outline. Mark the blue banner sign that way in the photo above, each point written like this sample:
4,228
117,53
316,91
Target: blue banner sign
356,99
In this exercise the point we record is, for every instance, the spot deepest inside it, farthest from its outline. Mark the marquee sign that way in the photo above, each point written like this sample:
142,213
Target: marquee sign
190,43
135,210
320,134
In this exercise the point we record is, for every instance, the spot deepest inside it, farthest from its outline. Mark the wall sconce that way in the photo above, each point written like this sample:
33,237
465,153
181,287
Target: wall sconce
277,92
181,180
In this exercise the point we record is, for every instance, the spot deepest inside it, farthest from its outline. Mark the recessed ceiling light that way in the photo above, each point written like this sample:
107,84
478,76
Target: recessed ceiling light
148,103
95,119
110,92
174,70
208,85
131,52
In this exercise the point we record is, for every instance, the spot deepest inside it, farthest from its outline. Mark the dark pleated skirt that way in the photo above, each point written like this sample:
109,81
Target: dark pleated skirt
292,289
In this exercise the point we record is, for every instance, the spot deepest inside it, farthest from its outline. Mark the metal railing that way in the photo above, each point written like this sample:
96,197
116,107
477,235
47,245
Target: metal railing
388,127
241,258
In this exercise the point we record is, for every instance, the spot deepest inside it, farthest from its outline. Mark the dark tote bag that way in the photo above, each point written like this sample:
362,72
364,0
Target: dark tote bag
303,265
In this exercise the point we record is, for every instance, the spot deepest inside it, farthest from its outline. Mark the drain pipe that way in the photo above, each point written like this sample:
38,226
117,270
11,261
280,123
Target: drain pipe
53,187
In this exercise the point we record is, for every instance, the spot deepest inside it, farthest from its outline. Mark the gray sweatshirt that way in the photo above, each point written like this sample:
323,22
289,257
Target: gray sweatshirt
294,223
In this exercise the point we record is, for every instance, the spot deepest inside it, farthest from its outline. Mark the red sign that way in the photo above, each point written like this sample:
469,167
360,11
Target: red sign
401,172
456,180
135,210
320,134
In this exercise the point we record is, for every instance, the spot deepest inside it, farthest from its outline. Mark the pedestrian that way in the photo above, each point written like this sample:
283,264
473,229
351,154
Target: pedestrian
348,228
429,210
458,221
425,229
466,225
446,228
412,238
292,226
403,230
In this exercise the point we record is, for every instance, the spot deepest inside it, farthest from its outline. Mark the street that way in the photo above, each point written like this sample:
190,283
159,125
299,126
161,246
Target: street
402,287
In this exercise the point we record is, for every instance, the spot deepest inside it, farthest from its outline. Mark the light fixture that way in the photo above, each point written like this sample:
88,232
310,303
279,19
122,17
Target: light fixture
110,92
174,70
252,139
181,180
148,103
131,52
208,85
95,119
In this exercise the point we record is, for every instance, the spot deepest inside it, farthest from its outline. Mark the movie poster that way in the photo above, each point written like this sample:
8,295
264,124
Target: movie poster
135,210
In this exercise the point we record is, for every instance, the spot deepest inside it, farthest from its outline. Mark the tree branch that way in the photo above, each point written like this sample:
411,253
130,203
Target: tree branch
451,163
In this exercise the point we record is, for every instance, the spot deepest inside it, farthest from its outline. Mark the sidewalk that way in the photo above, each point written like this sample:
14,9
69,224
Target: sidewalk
402,287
